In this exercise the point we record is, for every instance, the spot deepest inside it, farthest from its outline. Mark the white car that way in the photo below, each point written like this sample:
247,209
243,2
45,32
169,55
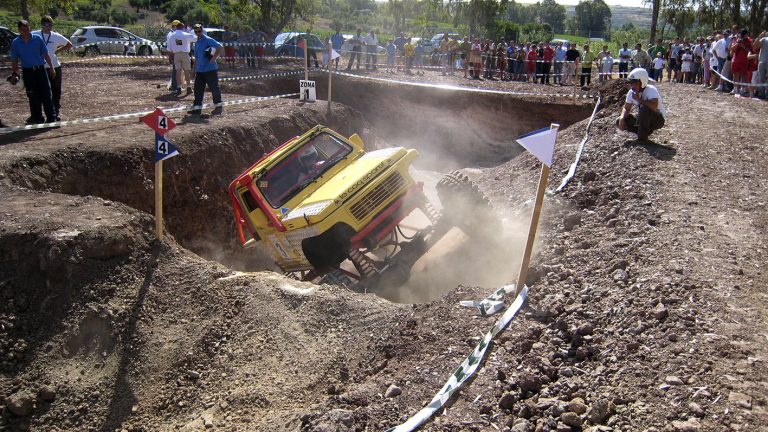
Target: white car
96,40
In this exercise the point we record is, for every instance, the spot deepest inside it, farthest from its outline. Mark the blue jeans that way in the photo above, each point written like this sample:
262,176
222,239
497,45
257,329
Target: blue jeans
211,79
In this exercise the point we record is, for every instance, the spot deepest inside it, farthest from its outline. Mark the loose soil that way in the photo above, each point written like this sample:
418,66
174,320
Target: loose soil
647,303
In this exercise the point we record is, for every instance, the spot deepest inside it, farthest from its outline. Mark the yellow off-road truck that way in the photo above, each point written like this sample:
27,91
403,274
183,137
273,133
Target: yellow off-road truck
320,200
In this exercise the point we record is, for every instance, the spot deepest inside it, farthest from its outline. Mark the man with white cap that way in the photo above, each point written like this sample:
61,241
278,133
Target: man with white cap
179,44
651,111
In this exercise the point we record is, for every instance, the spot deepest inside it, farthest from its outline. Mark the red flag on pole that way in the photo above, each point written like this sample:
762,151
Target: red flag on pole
158,121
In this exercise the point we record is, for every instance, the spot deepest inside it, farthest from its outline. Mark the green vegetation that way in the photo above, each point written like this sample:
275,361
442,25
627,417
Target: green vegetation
421,18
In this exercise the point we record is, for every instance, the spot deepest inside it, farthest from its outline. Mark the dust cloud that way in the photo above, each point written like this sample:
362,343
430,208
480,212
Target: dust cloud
478,255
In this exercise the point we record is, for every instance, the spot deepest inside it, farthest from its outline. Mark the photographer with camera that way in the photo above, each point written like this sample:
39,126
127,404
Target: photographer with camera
30,50
740,48
207,51
650,107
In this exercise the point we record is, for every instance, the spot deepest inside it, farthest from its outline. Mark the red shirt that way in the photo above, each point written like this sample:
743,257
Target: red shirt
549,54
740,53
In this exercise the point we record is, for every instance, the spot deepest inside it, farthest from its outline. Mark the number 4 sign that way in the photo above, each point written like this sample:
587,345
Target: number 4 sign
158,121
164,149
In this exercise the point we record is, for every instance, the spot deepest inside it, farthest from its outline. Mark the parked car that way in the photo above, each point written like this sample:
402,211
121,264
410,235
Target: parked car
216,34
6,37
434,43
286,44
110,40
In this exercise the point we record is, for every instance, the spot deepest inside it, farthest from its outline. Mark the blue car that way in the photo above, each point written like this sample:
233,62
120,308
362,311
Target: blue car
286,44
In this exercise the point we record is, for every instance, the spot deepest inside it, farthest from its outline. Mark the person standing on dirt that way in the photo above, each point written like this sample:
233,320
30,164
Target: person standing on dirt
337,40
651,111
230,54
371,54
572,57
624,56
30,51
410,53
207,51
760,45
357,47
587,58
55,43
179,44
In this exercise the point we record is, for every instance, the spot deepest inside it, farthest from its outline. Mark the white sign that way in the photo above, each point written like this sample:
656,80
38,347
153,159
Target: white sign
307,91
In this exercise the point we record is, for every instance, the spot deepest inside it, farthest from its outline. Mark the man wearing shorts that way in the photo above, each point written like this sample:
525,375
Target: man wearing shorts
179,43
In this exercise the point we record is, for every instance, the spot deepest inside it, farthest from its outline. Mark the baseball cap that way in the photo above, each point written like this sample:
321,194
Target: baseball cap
175,22
727,31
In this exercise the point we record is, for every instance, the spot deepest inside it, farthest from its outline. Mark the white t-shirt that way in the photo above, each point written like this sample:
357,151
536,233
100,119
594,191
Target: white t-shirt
607,64
52,41
180,41
624,55
658,63
649,92
720,49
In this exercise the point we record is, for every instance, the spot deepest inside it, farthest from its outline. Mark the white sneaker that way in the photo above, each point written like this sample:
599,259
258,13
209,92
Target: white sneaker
733,92
719,88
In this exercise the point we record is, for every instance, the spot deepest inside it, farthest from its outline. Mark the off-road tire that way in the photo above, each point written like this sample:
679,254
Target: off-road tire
466,207
145,51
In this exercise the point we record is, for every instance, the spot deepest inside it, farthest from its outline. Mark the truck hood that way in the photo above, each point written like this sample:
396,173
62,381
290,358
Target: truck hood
331,192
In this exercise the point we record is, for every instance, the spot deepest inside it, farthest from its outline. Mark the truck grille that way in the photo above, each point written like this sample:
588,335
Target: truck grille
371,201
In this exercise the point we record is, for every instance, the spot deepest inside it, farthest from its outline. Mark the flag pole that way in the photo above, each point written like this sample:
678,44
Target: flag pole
330,74
159,200
306,59
534,223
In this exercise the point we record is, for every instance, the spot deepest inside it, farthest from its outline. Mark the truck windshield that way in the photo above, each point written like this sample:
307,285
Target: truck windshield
301,168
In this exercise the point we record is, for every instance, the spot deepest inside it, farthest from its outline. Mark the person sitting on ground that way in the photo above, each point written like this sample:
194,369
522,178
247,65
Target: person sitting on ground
651,112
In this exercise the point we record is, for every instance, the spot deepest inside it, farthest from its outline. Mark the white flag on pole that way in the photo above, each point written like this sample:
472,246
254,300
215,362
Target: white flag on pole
334,54
541,143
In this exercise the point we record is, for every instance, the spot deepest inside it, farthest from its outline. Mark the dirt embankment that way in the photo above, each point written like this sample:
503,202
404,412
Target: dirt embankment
646,309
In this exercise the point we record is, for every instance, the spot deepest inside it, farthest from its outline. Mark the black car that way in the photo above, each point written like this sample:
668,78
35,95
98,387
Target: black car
6,37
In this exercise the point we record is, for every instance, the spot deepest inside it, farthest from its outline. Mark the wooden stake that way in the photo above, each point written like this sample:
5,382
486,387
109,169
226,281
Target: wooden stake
330,73
159,200
306,59
534,224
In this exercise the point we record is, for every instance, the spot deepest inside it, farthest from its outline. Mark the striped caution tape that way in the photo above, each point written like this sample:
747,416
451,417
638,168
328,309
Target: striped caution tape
740,84
465,370
464,89
140,114
580,150
491,304
272,75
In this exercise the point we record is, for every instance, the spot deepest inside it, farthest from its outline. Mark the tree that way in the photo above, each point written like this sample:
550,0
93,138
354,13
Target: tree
654,19
143,4
480,14
551,13
593,17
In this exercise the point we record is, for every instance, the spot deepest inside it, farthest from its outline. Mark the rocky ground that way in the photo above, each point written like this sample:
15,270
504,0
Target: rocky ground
646,311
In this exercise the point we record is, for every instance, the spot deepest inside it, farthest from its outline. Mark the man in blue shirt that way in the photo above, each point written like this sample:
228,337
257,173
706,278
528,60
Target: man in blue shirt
337,40
207,51
31,51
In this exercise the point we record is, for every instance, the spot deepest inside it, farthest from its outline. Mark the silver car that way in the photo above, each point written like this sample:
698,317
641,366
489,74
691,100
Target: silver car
96,40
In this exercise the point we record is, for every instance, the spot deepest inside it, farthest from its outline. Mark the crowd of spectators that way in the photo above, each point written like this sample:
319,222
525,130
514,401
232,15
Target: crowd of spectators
732,54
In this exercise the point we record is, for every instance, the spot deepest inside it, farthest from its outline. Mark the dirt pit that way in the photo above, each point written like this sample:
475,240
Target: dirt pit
647,272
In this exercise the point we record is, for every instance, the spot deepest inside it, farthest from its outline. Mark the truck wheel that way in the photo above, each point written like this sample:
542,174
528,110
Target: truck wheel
466,207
